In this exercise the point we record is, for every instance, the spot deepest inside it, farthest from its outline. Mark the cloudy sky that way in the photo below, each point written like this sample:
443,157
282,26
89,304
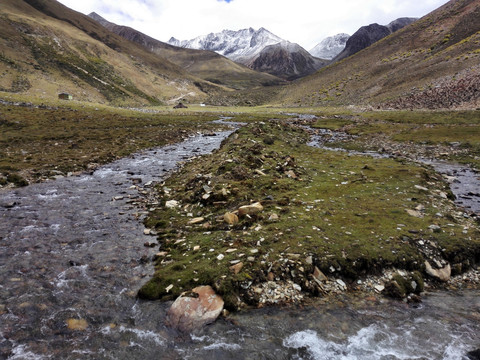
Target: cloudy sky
305,22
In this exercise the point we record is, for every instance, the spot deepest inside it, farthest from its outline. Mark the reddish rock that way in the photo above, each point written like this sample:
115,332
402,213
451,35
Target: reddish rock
194,309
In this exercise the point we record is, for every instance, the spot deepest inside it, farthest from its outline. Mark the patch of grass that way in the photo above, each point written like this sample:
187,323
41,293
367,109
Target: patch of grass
37,142
346,213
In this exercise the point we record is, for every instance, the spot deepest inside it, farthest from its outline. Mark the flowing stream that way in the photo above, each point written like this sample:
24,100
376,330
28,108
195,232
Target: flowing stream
72,257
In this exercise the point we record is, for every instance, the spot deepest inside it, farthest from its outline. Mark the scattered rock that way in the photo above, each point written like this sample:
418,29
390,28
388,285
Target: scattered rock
342,284
236,268
414,213
319,275
171,204
197,220
230,218
422,188
273,217
194,309
442,274
291,174
252,209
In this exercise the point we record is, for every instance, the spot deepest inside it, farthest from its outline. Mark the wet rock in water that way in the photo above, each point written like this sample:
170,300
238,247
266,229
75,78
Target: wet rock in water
230,218
442,274
9,205
474,355
195,309
77,324
252,209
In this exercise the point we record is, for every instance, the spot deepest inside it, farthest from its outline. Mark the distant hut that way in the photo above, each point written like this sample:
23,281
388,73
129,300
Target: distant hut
65,96
180,106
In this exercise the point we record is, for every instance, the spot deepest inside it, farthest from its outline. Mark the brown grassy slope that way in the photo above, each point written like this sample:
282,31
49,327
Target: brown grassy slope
207,65
437,51
46,48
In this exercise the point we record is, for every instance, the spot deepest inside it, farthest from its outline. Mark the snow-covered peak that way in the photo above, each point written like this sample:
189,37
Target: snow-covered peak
239,45
330,47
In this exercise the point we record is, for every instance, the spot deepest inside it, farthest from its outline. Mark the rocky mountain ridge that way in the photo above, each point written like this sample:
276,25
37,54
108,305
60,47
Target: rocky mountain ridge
370,34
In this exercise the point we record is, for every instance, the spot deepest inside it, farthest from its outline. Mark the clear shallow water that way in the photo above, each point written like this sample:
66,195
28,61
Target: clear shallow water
74,249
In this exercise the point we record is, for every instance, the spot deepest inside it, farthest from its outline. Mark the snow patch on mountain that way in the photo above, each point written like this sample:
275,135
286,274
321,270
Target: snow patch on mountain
330,47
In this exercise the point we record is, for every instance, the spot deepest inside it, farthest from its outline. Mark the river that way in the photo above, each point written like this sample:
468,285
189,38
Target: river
73,255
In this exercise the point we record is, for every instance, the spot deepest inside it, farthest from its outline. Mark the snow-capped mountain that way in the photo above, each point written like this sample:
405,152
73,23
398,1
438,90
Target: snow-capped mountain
330,47
240,46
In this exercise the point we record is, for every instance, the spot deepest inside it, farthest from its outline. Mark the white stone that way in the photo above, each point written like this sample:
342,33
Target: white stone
170,204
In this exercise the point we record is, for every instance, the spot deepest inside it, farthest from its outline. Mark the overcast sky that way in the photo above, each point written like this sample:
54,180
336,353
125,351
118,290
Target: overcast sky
305,22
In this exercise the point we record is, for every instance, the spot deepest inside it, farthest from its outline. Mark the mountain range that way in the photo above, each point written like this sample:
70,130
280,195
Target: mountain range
259,50
47,48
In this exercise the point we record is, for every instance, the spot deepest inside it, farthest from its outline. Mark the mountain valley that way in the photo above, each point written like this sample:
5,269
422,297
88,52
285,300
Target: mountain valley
301,203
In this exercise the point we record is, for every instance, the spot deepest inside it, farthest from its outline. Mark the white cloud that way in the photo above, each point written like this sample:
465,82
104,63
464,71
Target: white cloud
305,22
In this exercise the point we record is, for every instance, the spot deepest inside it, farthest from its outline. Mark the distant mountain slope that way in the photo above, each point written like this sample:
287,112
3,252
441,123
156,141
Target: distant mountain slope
286,60
432,63
207,65
330,47
367,35
240,46
47,48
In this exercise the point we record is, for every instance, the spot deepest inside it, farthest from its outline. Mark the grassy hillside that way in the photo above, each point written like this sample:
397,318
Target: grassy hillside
46,48
433,63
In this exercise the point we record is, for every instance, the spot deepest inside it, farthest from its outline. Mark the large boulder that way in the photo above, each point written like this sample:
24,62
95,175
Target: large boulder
193,310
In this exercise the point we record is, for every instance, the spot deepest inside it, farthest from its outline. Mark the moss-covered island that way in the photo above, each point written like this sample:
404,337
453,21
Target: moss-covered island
269,219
